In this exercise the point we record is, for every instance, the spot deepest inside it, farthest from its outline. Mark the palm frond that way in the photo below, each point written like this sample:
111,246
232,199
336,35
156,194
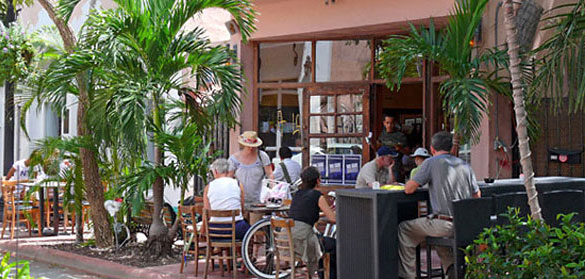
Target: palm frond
465,92
399,51
242,12
65,8
467,100
460,30
560,72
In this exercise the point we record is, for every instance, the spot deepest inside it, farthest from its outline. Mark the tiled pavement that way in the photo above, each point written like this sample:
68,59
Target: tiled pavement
29,248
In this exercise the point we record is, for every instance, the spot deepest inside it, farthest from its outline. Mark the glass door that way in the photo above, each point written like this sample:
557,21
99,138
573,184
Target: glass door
336,124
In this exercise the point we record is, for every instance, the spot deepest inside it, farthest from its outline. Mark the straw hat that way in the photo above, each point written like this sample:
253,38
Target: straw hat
249,138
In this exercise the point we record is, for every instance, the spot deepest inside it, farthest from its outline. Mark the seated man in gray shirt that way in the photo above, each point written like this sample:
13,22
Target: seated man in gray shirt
449,179
287,168
379,169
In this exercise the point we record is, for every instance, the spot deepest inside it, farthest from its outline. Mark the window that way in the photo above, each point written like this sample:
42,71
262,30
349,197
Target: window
65,121
279,119
285,62
346,60
336,114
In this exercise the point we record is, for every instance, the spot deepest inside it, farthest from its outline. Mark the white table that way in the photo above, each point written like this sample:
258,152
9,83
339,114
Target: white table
42,186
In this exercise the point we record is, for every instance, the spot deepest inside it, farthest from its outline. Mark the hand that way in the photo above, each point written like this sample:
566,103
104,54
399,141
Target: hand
391,165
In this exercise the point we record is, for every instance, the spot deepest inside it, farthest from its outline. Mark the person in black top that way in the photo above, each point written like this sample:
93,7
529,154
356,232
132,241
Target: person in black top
304,210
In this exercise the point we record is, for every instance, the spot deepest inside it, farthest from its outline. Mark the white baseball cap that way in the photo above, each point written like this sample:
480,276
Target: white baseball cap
421,152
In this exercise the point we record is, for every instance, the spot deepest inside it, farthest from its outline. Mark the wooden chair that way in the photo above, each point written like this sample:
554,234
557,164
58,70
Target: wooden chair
221,237
284,248
49,209
71,214
17,211
187,217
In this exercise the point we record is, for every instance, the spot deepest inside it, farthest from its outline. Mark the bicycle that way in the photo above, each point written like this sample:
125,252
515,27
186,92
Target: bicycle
258,248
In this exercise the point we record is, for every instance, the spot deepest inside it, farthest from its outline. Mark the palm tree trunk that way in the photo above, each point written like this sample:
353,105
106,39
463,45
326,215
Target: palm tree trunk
159,243
519,109
95,192
175,227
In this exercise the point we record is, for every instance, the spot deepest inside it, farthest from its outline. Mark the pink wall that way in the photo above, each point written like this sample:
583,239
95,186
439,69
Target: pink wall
484,158
284,17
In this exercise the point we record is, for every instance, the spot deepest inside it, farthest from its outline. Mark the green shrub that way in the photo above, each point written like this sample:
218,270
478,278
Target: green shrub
527,248
7,269
16,53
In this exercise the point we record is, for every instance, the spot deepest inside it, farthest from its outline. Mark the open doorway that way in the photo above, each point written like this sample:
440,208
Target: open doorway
404,108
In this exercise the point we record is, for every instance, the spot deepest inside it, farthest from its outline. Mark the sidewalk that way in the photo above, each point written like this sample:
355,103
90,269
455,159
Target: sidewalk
30,249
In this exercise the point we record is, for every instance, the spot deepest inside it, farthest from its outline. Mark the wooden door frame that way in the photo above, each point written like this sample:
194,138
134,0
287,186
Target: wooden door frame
362,88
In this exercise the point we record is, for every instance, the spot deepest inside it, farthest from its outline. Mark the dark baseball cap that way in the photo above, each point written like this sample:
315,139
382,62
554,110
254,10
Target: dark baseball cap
385,150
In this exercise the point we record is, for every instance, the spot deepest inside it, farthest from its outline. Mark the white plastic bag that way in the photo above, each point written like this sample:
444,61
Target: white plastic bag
264,191
279,192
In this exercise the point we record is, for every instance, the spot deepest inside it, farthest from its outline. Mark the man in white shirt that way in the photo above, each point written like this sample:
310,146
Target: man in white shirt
378,170
19,170
287,170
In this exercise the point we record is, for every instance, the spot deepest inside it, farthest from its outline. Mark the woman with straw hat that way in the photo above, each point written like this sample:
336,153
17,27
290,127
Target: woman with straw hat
251,165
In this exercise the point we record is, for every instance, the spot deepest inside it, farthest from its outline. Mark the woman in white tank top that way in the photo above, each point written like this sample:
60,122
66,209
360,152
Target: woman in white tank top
225,193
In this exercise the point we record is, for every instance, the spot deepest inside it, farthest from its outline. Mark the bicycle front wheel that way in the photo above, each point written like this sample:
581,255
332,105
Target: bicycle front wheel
258,251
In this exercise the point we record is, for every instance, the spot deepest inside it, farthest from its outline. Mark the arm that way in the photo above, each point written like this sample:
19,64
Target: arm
10,173
391,178
205,198
477,194
242,196
422,177
269,173
267,169
474,186
326,208
411,187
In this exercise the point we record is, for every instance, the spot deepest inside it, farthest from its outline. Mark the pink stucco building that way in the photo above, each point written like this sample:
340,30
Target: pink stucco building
310,84
311,87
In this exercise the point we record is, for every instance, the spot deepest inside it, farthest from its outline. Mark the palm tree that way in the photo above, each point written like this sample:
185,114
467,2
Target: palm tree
465,92
91,177
560,74
189,157
141,54
520,110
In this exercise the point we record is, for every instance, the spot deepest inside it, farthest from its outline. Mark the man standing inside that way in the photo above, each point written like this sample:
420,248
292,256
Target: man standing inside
287,170
393,138
449,179
390,135
377,170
